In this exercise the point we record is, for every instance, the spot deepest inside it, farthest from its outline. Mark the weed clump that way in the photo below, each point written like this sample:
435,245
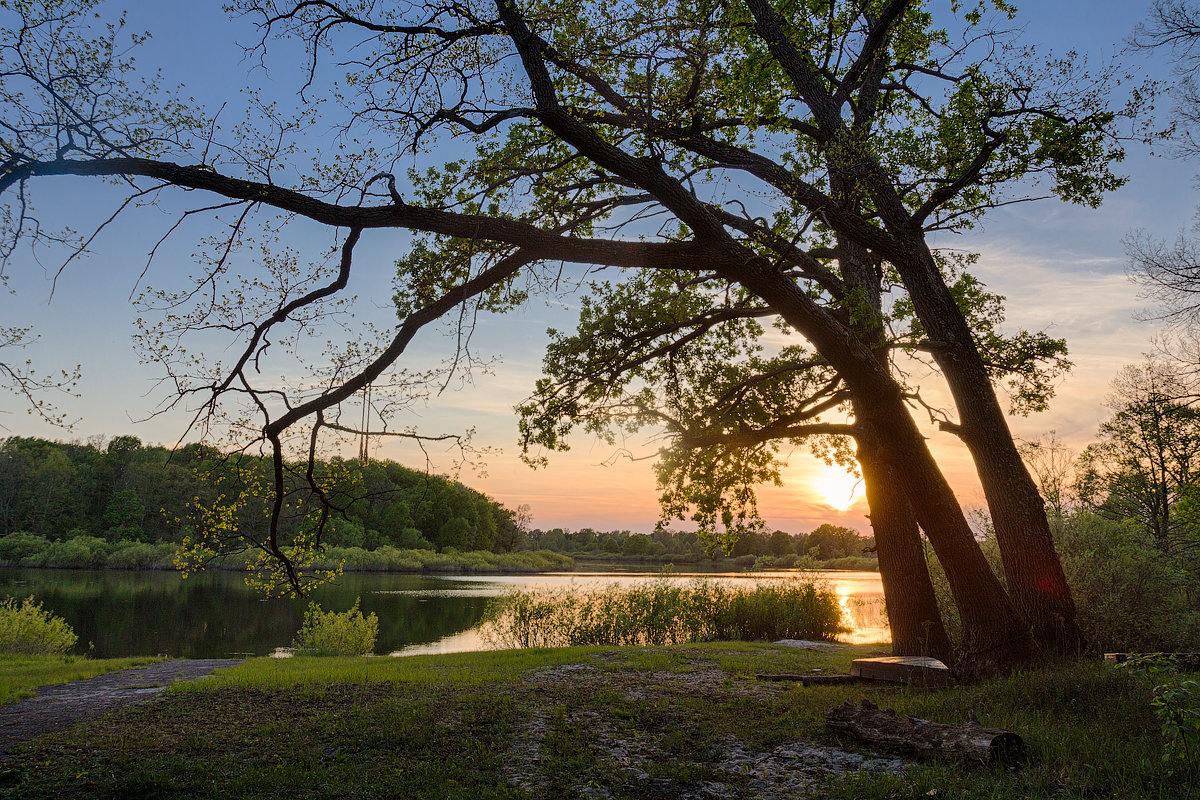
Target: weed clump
27,629
336,633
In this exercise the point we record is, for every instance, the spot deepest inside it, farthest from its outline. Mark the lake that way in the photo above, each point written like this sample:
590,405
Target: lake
215,615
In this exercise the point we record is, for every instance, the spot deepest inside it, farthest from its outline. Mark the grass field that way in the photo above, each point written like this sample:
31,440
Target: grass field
685,721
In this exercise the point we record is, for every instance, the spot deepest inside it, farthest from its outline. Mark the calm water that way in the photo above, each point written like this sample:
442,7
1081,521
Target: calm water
215,615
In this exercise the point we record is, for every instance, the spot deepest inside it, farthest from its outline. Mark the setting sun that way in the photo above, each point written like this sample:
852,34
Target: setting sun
837,487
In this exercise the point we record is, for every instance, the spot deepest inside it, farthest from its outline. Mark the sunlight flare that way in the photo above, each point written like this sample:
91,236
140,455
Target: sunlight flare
837,488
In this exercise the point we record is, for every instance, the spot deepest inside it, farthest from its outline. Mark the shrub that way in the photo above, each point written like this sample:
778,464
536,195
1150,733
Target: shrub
1176,704
81,551
1130,595
16,547
336,633
857,563
135,555
27,629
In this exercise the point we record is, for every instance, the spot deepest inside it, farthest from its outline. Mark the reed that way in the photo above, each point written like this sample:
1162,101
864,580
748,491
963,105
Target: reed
662,612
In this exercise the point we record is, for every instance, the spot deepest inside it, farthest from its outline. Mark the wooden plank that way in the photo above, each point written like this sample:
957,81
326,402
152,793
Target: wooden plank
915,670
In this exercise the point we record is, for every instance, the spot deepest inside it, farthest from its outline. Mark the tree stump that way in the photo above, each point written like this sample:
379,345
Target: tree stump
969,744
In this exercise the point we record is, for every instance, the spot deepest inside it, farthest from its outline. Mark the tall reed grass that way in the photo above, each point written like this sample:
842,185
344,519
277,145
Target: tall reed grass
661,612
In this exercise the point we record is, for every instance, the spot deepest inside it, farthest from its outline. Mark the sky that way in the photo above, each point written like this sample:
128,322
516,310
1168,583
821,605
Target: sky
1062,268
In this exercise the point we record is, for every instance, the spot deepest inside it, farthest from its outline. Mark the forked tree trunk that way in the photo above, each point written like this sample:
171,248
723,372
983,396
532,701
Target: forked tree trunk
912,609
994,636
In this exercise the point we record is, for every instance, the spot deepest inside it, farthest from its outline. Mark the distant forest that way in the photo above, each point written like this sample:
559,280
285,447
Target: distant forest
827,543
122,490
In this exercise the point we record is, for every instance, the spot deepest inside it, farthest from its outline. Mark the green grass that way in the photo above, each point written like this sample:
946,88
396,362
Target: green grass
21,675
565,723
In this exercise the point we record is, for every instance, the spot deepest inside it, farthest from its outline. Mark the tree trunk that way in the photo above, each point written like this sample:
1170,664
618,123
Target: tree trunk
1032,568
913,614
995,638
912,608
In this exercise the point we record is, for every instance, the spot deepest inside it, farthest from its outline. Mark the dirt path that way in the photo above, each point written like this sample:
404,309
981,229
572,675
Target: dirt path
63,705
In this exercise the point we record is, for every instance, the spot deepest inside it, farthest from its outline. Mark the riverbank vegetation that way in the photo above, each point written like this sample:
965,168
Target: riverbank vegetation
120,504
611,722
660,612
336,633
27,629
91,552
825,547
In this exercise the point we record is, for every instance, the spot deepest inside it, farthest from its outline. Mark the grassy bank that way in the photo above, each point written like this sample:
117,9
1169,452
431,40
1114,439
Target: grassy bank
21,675
90,552
584,722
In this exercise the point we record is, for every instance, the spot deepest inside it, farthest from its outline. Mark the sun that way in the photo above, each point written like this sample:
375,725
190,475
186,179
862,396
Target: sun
836,487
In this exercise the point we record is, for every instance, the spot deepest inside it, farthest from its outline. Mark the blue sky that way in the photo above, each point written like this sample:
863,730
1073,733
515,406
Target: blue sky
1061,267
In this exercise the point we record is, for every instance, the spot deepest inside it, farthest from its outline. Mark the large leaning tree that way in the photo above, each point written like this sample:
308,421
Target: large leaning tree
735,167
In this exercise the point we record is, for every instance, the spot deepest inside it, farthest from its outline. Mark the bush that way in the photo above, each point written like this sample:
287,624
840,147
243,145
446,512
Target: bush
1176,704
79,552
1130,595
138,555
16,547
27,629
857,563
336,633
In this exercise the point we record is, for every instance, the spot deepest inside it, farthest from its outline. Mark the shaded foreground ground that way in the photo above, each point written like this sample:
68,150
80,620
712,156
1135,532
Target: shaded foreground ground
681,722
66,704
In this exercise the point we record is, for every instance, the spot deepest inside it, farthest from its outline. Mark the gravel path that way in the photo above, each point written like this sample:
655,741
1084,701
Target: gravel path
63,705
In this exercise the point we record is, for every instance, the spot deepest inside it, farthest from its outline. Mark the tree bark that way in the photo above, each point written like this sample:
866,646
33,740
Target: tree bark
913,615
1032,569
971,743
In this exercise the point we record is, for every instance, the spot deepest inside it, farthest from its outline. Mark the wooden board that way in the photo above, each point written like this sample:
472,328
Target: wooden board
915,670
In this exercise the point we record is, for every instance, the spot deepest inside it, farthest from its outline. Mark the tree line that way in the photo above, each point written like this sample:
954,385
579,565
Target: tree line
123,490
825,543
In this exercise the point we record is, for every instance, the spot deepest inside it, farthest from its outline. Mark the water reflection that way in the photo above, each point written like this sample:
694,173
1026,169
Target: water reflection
215,615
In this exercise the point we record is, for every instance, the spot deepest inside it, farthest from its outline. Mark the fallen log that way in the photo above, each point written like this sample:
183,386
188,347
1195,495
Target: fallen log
810,679
970,744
